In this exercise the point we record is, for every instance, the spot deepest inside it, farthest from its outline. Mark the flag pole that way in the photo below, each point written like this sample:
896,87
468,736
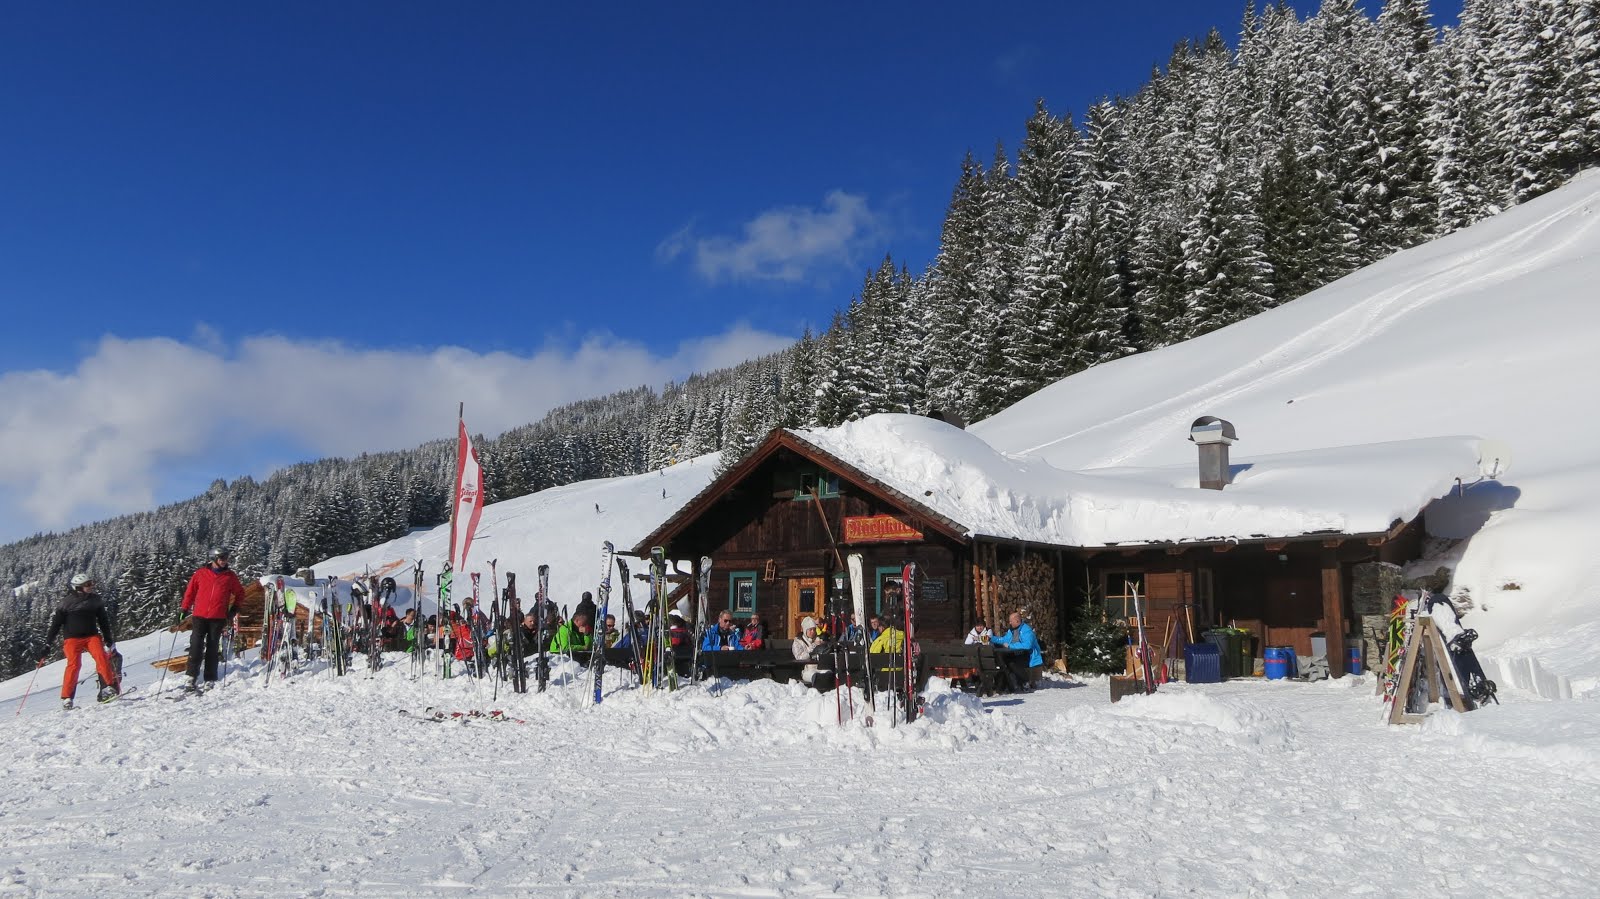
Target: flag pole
450,552
455,497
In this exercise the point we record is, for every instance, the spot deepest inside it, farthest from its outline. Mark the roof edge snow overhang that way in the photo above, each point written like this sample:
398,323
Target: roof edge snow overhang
1373,537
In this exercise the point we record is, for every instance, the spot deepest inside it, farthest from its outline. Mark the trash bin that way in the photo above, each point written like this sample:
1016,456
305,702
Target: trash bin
1202,663
1229,643
1353,660
1277,662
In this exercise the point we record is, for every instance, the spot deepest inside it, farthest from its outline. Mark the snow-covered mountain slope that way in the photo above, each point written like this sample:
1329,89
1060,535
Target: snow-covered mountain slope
562,527
1491,331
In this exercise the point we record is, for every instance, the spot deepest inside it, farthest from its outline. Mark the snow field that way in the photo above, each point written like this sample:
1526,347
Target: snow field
319,786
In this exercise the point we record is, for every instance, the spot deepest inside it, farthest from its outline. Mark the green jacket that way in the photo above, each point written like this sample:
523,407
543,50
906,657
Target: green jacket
570,639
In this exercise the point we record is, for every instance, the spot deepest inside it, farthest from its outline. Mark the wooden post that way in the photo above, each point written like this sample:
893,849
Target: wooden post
1333,610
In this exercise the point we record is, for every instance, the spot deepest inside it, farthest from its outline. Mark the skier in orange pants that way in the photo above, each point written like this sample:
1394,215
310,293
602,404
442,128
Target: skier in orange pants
82,619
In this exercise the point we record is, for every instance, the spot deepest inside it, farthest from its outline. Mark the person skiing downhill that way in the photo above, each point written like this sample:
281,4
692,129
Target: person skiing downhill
213,595
82,620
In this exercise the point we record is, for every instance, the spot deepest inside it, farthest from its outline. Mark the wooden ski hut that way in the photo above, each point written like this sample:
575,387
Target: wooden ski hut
1271,555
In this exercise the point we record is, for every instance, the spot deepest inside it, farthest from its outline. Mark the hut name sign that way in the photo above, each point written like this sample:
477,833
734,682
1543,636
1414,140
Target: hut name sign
878,528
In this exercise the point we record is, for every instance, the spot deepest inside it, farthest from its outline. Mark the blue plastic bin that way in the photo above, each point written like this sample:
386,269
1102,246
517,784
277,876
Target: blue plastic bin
1202,663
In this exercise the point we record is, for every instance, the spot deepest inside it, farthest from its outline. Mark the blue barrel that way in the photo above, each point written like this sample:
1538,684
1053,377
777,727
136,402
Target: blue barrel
1278,662
1354,659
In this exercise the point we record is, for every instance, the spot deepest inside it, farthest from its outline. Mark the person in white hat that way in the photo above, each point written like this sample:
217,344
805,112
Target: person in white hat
807,646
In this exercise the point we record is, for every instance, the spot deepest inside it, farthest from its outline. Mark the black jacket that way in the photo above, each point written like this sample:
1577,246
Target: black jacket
80,615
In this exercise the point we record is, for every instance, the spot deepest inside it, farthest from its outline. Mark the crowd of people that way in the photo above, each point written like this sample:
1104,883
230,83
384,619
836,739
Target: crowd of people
214,593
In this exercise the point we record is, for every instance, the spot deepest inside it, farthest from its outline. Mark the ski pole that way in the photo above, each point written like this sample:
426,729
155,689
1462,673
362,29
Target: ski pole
170,650
30,688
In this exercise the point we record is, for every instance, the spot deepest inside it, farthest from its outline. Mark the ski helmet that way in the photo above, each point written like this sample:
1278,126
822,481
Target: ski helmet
218,553
78,580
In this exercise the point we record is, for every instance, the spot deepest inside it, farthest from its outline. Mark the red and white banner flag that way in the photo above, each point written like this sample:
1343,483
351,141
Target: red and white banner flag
469,500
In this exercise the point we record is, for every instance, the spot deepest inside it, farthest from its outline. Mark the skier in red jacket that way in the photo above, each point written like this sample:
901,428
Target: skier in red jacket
213,595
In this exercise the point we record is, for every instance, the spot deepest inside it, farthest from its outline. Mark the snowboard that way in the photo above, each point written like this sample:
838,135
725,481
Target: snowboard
1475,685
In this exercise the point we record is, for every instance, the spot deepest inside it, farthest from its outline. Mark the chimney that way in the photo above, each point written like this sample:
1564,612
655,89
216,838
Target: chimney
1213,435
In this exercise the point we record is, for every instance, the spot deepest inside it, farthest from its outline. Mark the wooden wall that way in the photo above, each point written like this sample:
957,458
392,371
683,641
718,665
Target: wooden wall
758,526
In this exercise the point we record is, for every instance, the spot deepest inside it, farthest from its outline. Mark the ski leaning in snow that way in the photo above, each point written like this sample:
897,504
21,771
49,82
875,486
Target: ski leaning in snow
634,636
908,589
858,600
541,600
597,647
703,602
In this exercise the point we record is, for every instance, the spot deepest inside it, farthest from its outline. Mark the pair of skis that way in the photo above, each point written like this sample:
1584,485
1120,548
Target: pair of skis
597,650
905,693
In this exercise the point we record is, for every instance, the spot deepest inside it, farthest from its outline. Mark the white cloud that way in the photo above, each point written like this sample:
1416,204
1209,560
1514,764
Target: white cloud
99,439
790,243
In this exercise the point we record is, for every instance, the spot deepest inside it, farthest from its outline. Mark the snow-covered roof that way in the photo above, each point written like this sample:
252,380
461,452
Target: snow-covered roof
1344,490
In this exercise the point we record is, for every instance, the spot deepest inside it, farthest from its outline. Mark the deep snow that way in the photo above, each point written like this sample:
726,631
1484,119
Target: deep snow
320,787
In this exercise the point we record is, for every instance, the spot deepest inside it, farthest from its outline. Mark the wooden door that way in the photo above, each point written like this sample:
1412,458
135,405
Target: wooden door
806,596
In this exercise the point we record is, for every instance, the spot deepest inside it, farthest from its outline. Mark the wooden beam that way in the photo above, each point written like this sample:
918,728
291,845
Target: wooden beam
1333,610
1275,546
1177,550
1332,543
1222,547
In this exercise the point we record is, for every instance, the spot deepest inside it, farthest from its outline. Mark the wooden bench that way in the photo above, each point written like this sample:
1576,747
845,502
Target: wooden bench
975,667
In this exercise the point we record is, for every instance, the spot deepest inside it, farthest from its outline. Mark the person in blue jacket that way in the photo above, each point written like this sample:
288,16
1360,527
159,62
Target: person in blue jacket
724,636
1022,638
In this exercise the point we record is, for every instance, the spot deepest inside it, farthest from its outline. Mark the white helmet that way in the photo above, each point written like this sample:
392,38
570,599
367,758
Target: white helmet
79,579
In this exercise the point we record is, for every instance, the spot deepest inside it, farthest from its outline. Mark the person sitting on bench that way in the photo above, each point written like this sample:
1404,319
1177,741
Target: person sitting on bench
890,642
808,647
725,636
1021,639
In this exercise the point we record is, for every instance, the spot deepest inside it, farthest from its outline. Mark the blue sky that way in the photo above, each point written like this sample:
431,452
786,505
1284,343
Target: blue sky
351,212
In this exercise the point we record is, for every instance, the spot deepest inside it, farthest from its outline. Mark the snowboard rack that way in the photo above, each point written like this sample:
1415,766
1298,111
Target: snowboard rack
1426,657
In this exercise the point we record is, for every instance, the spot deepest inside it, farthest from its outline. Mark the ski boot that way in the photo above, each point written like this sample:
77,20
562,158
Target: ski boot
66,704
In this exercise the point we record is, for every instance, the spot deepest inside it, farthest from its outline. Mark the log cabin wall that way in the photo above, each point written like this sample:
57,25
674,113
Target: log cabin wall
776,547
1274,591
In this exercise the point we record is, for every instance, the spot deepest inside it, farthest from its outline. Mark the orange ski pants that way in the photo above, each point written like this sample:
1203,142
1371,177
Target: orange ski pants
74,648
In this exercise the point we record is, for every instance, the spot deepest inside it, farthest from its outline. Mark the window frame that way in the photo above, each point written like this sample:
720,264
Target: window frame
734,579
882,574
1120,600
826,483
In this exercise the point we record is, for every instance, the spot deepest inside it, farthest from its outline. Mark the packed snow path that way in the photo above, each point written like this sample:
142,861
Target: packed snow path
320,787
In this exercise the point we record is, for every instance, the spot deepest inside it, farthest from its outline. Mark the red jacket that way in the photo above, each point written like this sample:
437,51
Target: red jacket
212,593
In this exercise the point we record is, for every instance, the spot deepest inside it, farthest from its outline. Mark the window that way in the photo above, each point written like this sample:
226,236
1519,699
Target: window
1119,588
1205,592
817,482
808,601
887,586
742,592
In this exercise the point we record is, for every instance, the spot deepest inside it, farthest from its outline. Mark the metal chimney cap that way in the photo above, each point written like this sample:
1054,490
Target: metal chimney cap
1211,429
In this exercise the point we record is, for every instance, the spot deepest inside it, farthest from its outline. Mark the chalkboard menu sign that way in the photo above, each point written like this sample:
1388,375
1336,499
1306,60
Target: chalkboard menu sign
933,590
